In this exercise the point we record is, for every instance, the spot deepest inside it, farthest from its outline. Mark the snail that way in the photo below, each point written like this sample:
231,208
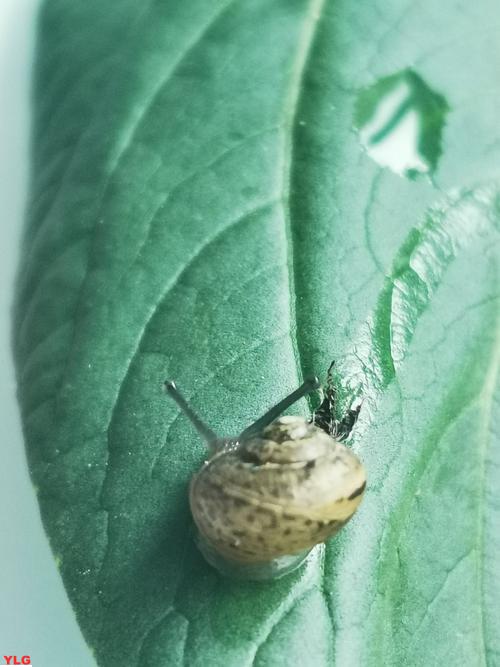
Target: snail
265,498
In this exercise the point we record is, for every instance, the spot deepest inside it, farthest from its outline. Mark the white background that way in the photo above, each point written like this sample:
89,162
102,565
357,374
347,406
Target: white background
35,616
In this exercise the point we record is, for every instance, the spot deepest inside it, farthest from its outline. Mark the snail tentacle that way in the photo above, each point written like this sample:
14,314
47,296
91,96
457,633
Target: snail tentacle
206,433
309,385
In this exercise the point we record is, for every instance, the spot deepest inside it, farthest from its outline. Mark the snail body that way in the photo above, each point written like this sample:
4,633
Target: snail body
263,500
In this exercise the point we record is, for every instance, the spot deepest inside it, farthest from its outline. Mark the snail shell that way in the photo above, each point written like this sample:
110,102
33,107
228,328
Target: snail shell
260,505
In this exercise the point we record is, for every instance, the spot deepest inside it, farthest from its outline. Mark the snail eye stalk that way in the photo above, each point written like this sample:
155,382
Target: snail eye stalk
305,388
206,433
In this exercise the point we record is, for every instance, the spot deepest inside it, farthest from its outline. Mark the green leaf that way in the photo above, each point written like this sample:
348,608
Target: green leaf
202,209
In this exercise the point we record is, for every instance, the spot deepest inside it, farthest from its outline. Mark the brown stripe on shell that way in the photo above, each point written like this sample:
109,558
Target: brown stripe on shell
357,492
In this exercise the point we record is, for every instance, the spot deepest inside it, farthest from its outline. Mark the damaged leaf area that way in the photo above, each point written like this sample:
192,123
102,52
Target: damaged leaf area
400,121
203,209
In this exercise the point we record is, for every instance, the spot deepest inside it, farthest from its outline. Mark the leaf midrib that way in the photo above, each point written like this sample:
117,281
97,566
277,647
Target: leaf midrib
291,106
487,395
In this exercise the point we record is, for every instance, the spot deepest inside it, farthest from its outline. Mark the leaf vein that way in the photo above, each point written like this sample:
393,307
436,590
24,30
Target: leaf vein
291,107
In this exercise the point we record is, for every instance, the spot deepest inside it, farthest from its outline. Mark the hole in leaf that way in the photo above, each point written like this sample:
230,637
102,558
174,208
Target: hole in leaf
400,120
